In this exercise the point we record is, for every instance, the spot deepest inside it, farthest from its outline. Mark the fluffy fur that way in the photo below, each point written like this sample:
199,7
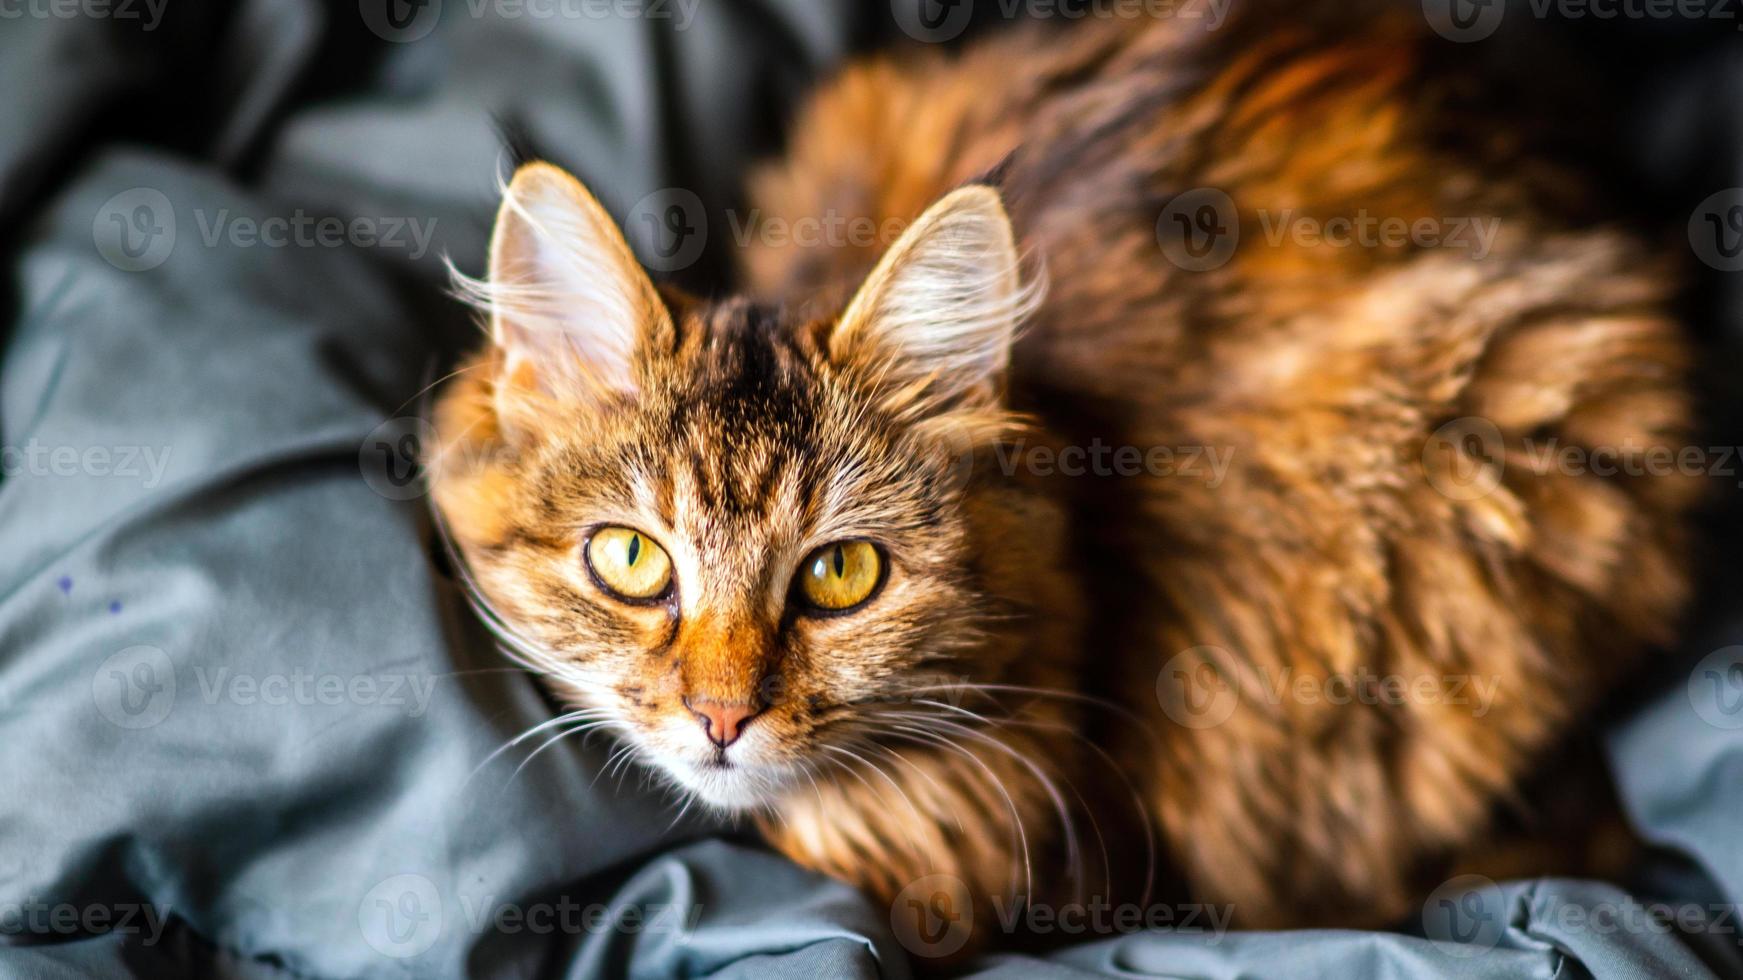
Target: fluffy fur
1012,694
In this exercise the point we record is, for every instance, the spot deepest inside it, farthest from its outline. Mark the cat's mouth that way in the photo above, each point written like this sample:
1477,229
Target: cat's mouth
717,763
741,776
729,784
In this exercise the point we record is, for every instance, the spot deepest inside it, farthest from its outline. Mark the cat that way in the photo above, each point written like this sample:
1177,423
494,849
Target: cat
815,553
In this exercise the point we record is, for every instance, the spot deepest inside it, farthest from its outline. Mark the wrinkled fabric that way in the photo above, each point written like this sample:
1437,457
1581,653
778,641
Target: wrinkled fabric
248,725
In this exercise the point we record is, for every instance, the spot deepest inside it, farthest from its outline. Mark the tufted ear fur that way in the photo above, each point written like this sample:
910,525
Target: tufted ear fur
570,309
937,316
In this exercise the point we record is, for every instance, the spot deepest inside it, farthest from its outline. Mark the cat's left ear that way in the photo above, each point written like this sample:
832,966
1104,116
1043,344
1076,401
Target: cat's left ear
571,310
936,318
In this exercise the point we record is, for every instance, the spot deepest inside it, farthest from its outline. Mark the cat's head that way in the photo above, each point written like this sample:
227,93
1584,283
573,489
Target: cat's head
744,541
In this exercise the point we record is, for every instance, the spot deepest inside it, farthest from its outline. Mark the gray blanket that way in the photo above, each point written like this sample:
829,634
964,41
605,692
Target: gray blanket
247,722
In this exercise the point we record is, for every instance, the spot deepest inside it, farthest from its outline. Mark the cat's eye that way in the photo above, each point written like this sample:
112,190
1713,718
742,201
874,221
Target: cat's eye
626,563
837,577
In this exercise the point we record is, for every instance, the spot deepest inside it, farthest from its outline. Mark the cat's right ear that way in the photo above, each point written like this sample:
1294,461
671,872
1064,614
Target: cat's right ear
936,318
571,310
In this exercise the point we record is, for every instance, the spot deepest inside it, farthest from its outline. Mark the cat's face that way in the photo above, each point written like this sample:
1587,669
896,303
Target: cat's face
744,543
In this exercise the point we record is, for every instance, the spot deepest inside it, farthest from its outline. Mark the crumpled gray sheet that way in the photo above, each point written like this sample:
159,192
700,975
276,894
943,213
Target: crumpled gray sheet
245,714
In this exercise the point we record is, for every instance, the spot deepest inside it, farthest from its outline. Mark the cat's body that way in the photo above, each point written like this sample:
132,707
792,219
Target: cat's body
1331,651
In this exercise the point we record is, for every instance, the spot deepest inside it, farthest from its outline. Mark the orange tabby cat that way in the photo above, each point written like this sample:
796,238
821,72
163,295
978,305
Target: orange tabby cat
817,554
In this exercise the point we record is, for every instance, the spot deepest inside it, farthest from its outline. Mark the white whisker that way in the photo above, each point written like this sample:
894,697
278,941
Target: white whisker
928,737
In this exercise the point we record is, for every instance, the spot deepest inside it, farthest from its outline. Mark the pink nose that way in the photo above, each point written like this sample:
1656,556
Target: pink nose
723,723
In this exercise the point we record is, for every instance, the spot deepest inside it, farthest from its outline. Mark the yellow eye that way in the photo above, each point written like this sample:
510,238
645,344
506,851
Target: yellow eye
841,575
628,564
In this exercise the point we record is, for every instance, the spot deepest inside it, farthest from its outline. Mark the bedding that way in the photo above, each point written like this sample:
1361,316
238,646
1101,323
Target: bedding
249,726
